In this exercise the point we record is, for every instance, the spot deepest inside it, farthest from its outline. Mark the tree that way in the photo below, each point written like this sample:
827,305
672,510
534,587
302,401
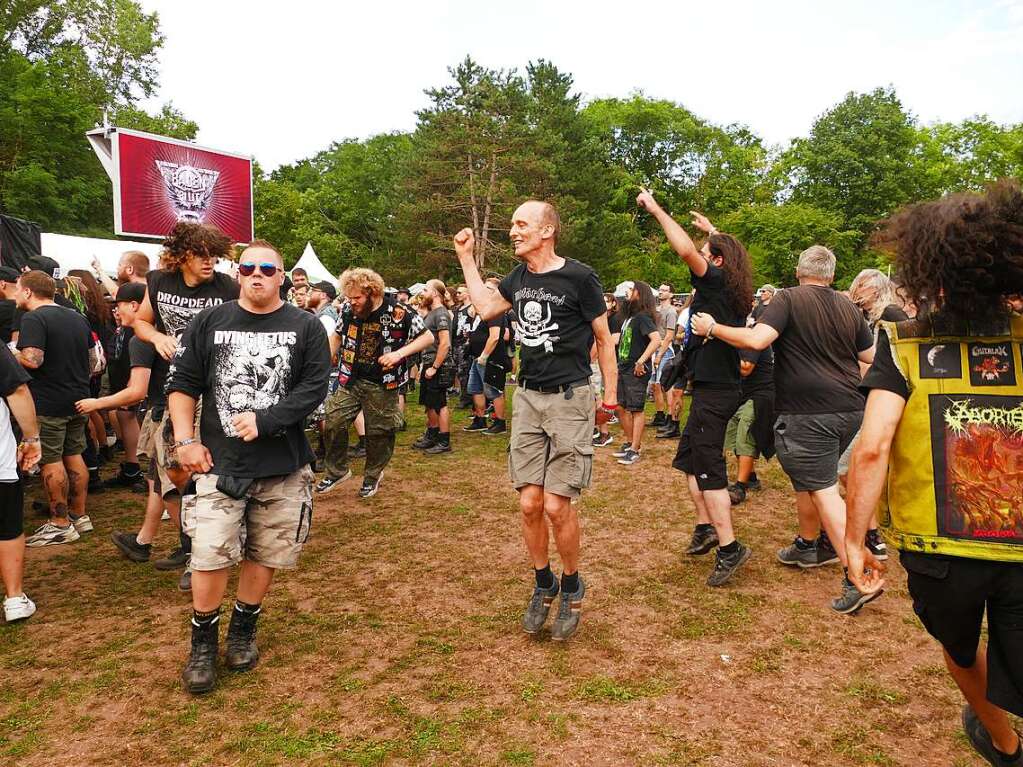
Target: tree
966,156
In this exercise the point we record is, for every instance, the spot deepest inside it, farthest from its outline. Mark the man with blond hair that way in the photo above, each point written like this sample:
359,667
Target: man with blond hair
373,337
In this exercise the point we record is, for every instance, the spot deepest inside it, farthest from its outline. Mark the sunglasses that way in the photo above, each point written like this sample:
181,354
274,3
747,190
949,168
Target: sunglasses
247,269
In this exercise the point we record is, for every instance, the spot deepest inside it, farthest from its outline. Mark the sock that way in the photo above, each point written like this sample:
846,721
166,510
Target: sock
544,577
131,469
444,437
498,421
432,431
245,607
731,548
201,620
570,583
752,478
704,528
802,543
139,541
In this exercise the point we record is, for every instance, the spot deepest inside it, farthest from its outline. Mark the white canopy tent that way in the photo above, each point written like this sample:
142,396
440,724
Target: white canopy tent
314,268
78,252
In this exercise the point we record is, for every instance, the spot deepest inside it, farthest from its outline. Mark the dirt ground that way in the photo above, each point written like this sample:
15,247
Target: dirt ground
397,641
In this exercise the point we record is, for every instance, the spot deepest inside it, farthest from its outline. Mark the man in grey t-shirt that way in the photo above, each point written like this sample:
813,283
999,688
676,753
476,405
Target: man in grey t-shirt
438,371
666,318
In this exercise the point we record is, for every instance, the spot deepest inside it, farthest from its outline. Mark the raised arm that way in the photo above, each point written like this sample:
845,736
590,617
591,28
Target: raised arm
489,304
679,240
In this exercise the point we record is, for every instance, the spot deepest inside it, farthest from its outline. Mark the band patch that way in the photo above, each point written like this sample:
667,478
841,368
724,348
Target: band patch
992,364
940,360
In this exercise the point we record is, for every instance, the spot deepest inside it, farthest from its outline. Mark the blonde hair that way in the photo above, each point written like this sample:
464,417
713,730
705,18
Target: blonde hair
883,289
362,279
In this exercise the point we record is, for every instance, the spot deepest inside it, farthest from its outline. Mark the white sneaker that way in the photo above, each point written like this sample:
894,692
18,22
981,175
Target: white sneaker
82,524
18,608
50,535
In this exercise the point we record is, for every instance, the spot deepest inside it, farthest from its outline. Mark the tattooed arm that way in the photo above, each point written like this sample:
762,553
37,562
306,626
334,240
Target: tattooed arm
30,357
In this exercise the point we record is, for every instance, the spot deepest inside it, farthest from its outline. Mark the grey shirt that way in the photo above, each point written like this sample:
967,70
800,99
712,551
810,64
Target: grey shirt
667,318
438,319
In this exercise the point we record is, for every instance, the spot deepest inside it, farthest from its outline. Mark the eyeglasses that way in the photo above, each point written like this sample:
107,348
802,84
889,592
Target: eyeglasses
246,269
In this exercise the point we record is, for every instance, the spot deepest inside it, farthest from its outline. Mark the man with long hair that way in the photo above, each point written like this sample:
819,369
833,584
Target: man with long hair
559,305
438,370
721,275
638,342
940,453
666,316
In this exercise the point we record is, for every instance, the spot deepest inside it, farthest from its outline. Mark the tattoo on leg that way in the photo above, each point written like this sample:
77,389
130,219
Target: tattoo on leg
69,486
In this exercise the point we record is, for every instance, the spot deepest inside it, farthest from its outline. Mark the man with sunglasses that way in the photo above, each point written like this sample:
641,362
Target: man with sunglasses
260,367
183,286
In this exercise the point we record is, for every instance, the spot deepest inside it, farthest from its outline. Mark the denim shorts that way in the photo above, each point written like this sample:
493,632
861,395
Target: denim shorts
810,444
477,385
669,355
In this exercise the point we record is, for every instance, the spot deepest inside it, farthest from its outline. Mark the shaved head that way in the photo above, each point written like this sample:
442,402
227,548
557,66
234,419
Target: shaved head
541,213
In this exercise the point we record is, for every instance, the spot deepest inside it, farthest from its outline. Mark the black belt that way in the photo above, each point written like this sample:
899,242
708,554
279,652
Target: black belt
555,389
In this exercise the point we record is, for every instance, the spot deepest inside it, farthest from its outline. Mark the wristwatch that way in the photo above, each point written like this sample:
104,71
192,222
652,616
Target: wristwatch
184,442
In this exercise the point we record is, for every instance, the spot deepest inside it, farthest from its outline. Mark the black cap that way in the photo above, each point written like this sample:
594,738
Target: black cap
131,291
327,288
8,275
43,264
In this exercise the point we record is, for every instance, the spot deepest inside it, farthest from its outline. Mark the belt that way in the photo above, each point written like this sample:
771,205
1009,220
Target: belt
555,389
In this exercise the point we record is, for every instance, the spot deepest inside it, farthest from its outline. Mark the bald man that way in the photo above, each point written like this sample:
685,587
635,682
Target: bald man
559,307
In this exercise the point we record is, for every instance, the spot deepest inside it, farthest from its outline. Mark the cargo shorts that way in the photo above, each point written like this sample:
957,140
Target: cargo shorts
268,526
552,440
151,446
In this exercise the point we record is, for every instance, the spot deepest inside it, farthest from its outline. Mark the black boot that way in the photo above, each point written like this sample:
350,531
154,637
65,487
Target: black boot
659,419
670,431
200,673
242,653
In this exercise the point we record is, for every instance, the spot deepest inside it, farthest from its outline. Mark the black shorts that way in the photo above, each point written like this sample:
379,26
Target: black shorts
701,448
810,444
632,390
432,394
12,510
950,595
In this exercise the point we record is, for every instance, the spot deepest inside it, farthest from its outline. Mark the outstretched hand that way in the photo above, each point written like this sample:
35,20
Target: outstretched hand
702,223
465,244
646,201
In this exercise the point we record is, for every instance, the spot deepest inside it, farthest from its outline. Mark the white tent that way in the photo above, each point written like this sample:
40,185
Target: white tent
314,268
77,252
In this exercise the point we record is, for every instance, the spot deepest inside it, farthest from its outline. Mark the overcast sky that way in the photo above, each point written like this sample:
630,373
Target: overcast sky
282,80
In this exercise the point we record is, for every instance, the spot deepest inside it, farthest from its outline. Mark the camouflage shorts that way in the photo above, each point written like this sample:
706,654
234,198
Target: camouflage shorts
168,452
269,526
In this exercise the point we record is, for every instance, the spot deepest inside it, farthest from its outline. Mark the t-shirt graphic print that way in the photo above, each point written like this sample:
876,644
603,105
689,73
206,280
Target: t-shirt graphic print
253,371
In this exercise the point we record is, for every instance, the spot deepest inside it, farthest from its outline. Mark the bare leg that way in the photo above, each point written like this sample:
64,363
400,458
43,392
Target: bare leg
479,405
972,682
432,419
12,565
534,526
702,515
719,507
625,419
831,507
151,522
129,435
208,588
253,582
78,483
638,425
444,420
745,468
499,407
565,522
360,424
55,480
809,519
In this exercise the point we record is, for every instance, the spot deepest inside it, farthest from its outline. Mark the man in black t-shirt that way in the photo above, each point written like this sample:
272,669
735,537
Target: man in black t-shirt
57,346
260,367
559,306
460,327
638,342
488,356
819,339
8,291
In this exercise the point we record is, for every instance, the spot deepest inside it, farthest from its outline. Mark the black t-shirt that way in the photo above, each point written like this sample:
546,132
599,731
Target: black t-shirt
7,310
463,324
143,355
58,299
883,373
275,365
820,335
65,338
713,361
634,339
894,313
554,311
364,341
176,303
119,359
762,377
479,334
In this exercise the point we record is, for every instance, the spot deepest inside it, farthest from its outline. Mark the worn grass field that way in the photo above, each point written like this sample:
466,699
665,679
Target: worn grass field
397,642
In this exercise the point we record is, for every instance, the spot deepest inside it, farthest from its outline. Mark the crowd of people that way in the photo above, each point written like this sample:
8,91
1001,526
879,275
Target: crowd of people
894,405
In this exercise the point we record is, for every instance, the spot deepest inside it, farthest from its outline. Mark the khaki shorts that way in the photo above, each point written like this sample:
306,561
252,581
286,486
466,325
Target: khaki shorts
61,436
552,440
268,526
738,436
151,446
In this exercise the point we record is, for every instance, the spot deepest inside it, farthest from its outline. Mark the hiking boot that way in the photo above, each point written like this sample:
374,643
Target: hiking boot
82,523
980,739
129,545
539,608
807,554
658,420
478,423
327,484
876,545
18,608
602,440
173,561
737,493
753,483
369,487
621,451
670,431
704,539
358,450
630,457
497,427
52,535
200,673
852,598
726,565
569,613
185,581
425,441
242,653
438,447
125,479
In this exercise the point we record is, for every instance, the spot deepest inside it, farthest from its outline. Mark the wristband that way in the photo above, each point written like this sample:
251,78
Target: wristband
29,440
606,406
710,329
185,442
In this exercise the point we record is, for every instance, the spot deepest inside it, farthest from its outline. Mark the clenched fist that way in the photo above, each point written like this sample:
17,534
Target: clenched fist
646,200
465,244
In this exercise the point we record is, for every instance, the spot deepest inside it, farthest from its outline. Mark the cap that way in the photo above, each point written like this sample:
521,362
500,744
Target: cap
7,274
622,291
131,291
769,287
326,287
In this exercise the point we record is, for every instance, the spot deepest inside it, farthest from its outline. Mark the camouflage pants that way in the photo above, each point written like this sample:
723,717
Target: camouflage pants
380,409
268,526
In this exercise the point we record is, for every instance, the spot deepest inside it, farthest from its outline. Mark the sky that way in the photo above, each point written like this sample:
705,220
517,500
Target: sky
283,80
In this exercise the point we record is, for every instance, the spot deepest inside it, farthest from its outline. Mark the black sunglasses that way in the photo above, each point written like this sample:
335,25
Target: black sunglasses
246,269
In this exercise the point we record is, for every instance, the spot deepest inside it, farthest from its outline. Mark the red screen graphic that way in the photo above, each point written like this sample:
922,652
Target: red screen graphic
161,183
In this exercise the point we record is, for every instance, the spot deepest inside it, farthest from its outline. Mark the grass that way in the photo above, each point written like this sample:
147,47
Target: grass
397,641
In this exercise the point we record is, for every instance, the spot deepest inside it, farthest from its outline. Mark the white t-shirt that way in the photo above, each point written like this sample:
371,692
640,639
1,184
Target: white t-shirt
8,446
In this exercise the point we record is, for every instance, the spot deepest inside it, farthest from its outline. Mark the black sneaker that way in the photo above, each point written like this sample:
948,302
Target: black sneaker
852,599
129,545
658,420
622,450
704,540
631,456
753,483
96,484
437,448
200,673
478,423
737,493
980,739
327,484
670,431
876,545
602,440
124,479
173,561
539,608
569,613
425,441
369,487
497,427
807,554
726,565
242,653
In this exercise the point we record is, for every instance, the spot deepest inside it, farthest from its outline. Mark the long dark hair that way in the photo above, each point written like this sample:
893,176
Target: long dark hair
644,301
95,308
738,272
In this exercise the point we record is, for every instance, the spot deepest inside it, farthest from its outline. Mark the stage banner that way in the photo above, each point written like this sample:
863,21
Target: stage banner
159,181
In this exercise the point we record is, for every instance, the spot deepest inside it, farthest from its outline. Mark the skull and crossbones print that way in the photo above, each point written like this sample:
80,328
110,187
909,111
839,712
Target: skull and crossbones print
536,328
